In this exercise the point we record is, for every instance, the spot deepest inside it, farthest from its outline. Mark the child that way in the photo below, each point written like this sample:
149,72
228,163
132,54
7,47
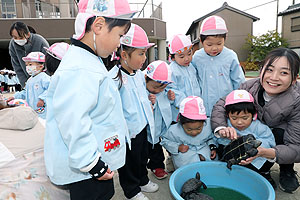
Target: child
37,85
217,67
241,114
183,72
158,76
277,100
86,130
137,111
54,55
190,140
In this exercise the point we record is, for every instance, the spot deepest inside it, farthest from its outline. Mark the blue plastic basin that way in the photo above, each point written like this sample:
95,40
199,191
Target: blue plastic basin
215,173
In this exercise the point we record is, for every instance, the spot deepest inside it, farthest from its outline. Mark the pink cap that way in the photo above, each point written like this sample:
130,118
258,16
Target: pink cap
136,37
159,71
179,43
34,57
57,50
238,96
107,8
213,25
192,107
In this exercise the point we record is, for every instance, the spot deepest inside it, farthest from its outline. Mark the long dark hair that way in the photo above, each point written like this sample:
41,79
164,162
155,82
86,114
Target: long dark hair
129,51
20,27
291,56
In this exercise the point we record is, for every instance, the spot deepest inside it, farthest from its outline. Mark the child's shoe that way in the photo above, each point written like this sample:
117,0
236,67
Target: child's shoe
160,173
149,187
140,196
169,164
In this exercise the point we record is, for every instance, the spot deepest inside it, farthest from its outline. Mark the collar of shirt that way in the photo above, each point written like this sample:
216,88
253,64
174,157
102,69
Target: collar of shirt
80,44
127,72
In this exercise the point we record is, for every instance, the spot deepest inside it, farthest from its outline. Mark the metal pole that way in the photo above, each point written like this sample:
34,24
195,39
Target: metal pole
277,16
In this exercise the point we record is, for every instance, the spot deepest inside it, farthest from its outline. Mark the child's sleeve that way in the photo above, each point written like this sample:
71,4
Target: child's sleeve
73,101
265,135
236,73
45,84
169,142
20,95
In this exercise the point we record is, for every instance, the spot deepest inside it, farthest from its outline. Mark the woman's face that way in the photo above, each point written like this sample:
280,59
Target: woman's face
16,36
277,77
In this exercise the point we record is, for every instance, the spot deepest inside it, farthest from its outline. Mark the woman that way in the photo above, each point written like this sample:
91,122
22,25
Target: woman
277,99
22,43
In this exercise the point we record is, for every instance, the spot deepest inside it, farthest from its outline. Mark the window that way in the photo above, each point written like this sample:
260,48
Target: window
295,24
8,8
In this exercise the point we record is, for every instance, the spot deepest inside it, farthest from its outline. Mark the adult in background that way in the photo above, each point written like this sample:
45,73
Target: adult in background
22,43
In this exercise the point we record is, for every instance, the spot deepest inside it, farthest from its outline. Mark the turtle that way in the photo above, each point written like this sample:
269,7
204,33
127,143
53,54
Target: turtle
190,189
240,149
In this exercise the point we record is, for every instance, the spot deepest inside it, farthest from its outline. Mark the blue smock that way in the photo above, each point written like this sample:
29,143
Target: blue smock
85,118
162,115
136,105
261,132
35,89
199,144
218,75
185,83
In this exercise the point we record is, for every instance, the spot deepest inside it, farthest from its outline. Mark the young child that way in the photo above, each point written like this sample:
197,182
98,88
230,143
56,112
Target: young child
241,114
137,110
86,130
36,87
218,67
158,76
54,55
277,100
183,72
190,140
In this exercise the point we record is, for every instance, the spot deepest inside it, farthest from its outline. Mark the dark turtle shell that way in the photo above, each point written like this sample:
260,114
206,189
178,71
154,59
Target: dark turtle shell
240,149
192,184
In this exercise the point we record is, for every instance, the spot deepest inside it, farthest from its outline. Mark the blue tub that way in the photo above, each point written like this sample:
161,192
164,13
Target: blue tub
215,173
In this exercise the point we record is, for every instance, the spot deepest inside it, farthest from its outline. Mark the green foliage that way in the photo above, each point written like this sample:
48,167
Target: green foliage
260,46
251,66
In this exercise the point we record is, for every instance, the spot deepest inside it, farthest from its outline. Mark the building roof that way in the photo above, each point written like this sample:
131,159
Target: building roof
224,6
290,9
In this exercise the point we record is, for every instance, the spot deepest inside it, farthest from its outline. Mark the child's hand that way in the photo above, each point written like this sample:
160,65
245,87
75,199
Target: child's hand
228,132
152,98
213,154
40,103
10,99
171,95
183,148
108,175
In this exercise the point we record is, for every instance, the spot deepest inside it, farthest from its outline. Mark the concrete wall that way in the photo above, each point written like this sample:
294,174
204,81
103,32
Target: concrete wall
293,38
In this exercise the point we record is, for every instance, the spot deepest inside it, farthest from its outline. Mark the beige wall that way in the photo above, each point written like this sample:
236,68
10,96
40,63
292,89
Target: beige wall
293,38
239,27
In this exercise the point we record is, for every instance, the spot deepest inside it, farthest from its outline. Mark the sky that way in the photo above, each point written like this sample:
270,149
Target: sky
179,14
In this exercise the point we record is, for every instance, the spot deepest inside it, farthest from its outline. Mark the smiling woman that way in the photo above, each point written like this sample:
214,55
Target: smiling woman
277,99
